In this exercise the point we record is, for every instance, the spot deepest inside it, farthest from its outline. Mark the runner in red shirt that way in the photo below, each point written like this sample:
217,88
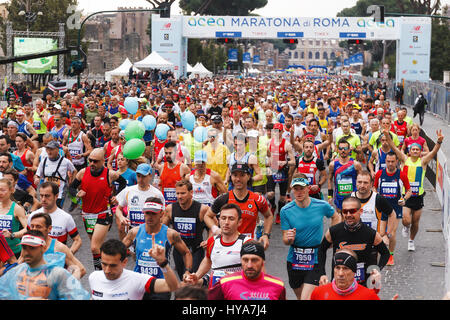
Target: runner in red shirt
344,285
250,203
96,188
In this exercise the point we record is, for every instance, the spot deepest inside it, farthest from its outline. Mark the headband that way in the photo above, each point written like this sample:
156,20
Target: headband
345,259
253,248
152,206
415,144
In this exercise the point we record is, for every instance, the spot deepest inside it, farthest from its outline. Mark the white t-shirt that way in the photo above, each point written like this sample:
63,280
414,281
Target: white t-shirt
134,199
50,167
129,286
63,224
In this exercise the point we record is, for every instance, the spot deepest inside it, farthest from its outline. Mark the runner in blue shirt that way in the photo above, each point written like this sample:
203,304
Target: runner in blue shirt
302,227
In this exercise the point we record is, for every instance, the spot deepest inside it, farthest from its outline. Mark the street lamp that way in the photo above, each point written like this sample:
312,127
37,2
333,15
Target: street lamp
28,13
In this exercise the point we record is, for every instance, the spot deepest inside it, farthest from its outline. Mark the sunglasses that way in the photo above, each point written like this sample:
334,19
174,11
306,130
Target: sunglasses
343,148
349,211
94,160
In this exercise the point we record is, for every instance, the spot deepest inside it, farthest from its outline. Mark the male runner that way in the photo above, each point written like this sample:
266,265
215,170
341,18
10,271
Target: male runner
252,282
302,227
342,175
389,182
96,186
186,216
357,236
281,158
171,171
151,232
115,282
250,203
43,222
415,167
222,250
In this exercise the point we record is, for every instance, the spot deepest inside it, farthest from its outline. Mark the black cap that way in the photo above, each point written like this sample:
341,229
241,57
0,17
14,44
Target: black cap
240,167
216,118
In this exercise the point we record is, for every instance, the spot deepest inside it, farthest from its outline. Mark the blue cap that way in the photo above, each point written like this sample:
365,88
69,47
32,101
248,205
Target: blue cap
144,169
200,156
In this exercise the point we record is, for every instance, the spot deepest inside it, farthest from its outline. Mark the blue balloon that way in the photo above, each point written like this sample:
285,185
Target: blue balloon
161,131
131,104
149,122
200,134
188,120
123,123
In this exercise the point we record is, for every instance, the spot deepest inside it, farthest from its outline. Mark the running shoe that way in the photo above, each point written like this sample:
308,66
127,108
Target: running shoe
411,246
390,261
405,232
277,219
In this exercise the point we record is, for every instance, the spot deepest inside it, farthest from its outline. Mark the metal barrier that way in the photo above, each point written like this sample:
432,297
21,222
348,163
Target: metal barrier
436,94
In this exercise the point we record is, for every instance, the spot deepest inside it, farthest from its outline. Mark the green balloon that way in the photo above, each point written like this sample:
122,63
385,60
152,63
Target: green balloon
133,149
134,130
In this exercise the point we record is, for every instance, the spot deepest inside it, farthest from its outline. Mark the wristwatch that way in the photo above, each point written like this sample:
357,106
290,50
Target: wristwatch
266,234
163,264
12,236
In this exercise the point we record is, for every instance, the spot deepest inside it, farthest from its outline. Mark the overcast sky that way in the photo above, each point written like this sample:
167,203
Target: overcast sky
274,8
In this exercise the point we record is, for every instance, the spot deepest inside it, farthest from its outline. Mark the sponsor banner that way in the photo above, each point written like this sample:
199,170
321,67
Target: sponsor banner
357,59
168,41
288,27
270,62
233,55
256,59
246,58
413,58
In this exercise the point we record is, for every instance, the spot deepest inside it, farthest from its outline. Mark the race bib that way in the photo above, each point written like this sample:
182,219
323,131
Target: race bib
170,195
185,226
136,218
6,222
389,189
304,259
148,267
216,275
74,152
279,176
345,186
37,125
360,274
90,221
415,187
310,177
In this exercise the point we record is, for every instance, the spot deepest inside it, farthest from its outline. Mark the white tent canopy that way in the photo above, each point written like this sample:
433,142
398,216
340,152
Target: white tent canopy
154,61
120,71
199,69
189,68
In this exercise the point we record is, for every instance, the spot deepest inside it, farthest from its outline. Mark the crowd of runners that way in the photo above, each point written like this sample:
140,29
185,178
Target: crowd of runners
195,216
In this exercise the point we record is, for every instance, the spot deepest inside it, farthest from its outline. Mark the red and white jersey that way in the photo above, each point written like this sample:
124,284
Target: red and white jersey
63,224
309,169
277,153
401,130
225,257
